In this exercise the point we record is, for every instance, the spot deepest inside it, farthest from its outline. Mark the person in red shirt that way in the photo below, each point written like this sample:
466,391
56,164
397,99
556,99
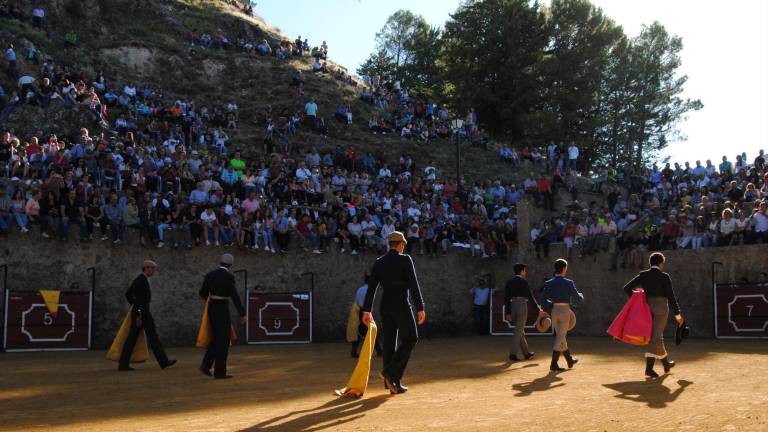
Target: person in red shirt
305,231
670,233
545,192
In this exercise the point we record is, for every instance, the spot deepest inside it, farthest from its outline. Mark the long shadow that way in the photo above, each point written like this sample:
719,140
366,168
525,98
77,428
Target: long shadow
547,382
329,415
650,392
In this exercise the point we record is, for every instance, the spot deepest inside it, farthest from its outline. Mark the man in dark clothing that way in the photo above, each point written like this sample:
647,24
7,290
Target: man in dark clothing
396,273
660,298
517,294
139,296
219,284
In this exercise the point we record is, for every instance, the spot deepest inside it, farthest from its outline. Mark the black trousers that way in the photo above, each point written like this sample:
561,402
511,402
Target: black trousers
218,349
148,325
398,337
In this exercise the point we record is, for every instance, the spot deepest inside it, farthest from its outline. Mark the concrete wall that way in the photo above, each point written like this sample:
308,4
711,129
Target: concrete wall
445,281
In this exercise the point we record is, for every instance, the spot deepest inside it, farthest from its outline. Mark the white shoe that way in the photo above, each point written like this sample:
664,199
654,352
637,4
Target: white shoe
45,235
486,256
256,247
160,245
24,230
104,238
207,243
342,250
274,250
316,252
354,252
116,241
216,244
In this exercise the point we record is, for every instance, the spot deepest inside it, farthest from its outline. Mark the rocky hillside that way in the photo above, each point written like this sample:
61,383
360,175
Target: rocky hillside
147,42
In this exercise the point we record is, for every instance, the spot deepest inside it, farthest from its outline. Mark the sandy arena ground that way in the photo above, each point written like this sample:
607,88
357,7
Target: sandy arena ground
456,385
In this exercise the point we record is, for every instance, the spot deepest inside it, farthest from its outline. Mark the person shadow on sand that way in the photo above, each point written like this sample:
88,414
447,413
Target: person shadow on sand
651,392
327,416
544,383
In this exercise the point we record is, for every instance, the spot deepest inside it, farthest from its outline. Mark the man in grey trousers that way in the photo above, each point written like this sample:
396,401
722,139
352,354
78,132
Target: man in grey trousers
517,294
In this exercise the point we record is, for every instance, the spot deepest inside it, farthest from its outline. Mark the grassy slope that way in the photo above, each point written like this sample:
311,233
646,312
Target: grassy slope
159,29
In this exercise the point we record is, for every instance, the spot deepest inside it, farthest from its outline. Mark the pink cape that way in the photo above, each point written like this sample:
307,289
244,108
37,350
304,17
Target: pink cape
634,323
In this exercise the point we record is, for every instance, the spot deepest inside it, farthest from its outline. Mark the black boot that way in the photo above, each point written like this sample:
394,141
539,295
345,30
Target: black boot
649,372
554,366
354,350
667,363
569,359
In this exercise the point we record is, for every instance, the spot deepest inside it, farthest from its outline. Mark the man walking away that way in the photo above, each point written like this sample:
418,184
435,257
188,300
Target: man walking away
660,298
517,294
219,284
557,295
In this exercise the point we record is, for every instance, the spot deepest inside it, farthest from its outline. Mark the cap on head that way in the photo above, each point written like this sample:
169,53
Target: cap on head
227,259
148,263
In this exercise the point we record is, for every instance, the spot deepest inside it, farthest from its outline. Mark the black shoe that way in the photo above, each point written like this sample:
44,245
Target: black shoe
667,363
400,388
513,358
168,364
125,368
553,366
206,372
569,359
223,377
388,384
649,372
530,355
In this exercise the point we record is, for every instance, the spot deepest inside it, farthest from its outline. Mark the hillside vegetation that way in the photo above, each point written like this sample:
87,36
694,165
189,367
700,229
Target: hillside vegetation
147,43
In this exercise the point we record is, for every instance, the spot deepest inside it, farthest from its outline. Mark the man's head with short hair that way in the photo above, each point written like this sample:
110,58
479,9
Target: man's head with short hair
561,266
519,268
656,259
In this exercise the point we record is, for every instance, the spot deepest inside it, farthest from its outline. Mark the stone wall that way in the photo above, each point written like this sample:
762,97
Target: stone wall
445,281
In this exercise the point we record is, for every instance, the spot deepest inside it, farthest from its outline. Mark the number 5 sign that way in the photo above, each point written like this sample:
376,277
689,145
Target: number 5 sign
30,326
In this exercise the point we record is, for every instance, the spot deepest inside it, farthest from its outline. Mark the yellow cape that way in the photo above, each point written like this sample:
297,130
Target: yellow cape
353,322
205,333
358,382
140,352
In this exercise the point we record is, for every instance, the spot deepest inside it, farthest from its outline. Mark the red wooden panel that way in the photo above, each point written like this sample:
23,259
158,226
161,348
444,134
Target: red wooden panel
279,318
30,326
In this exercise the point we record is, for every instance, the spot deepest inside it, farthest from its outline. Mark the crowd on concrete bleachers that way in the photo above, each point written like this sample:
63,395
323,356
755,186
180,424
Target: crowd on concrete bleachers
166,171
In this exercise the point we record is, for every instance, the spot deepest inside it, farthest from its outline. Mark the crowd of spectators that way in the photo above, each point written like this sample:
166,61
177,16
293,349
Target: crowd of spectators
167,165
651,208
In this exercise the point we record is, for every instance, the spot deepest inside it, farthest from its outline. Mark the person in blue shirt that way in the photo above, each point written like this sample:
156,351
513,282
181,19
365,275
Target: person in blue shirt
556,296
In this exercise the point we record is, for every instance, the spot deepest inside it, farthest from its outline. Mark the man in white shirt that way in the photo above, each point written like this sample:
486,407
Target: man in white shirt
760,218
573,155
414,212
302,172
384,172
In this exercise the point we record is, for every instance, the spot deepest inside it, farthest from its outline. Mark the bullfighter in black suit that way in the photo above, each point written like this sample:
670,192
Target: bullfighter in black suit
660,298
396,273
139,296
219,284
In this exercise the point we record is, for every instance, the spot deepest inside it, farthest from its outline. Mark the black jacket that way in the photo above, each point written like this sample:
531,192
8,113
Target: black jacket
656,283
139,295
396,273
221,283
518,287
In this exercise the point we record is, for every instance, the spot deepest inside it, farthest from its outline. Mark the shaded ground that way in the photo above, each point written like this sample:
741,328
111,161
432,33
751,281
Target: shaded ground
456,384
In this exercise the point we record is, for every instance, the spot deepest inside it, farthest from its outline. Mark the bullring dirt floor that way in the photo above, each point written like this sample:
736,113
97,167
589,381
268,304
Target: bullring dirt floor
461,384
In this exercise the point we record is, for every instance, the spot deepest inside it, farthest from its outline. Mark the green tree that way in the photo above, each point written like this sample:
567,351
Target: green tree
655,103
379,63
577,58
492,51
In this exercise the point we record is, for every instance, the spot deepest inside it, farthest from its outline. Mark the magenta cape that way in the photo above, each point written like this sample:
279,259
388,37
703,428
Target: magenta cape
634,323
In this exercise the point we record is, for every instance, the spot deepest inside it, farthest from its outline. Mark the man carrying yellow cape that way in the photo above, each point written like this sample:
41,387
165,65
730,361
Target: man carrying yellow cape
140,352
358,382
